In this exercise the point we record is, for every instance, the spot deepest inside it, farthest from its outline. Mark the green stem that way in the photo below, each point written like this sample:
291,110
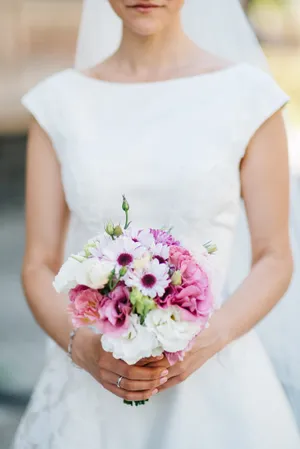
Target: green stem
136,403
126,221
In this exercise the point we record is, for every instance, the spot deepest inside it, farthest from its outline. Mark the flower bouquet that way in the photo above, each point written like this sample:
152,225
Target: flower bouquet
141,290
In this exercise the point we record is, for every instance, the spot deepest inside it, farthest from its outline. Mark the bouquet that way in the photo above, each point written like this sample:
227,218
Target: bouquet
141,290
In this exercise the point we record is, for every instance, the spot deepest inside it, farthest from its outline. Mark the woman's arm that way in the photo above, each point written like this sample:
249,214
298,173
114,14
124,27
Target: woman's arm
265,189
46,223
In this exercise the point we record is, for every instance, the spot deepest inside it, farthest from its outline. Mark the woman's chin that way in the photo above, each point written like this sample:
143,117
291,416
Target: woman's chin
145,26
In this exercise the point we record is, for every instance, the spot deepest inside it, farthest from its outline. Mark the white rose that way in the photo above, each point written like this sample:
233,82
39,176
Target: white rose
94,273
137,343
66,277
172,333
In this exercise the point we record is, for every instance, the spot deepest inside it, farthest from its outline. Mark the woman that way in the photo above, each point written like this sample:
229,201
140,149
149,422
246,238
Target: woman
166,122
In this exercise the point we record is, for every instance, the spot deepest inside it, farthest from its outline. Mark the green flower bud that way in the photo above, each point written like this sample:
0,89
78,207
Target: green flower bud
176,278
123,271
125,205
118,231
78,257
109,228
135,296
87,251
141,304
210,247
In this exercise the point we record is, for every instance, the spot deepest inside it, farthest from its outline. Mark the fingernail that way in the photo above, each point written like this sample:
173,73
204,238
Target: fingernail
154,392
160,357
163,380
164,373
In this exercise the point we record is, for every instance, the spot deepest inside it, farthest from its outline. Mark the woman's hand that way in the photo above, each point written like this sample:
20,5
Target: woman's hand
139,382
206,345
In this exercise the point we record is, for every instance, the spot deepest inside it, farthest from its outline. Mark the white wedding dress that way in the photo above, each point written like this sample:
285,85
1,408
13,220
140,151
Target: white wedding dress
174,148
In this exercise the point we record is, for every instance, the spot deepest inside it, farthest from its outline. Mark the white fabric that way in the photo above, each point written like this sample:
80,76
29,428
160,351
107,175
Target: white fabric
175,153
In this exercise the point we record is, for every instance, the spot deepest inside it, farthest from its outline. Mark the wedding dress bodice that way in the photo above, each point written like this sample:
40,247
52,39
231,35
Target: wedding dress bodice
173,147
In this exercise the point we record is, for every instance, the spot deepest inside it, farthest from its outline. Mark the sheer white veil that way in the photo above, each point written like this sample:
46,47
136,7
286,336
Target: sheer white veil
221,27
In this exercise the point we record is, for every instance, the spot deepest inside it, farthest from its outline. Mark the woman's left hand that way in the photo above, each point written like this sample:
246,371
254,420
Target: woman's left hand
206,345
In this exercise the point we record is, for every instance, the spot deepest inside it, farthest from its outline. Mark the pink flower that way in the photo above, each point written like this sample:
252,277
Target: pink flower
163,237
174,357
195,302
192,273
84,306
166,300
178,255
194,295
114,312
73,293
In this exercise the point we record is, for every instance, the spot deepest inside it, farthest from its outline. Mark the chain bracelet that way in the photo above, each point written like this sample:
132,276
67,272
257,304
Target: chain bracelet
70,345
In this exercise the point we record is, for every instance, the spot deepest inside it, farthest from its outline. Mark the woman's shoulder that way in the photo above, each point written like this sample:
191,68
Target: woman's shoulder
53,81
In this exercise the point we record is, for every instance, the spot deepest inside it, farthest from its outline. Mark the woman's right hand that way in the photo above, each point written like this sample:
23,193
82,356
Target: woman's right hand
139,382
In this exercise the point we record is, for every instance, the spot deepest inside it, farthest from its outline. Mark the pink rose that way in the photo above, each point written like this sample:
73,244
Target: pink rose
178,255
84,306
114,312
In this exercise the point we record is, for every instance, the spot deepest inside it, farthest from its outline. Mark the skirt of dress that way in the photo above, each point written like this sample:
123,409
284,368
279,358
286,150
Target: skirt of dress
233,402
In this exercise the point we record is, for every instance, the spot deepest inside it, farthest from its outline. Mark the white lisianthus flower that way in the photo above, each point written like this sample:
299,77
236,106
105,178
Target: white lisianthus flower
94,273
137,343
172,333
65,280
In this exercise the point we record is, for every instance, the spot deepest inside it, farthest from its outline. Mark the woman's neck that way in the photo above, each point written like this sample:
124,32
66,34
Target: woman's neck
153,56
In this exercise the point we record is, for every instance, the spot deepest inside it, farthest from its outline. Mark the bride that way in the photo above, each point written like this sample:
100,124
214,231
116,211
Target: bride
183,131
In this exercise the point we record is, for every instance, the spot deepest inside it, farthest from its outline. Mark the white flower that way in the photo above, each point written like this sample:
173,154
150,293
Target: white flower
152,280
94,273
66,277
100,242
142,236
137,343
161,251
172,333
122,252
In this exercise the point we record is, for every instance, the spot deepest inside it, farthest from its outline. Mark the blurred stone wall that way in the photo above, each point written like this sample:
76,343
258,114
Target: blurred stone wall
37,38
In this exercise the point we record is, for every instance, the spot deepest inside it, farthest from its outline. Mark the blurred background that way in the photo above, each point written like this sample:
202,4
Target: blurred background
37,38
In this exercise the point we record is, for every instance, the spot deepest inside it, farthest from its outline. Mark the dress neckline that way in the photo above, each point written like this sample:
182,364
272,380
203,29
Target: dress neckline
179,80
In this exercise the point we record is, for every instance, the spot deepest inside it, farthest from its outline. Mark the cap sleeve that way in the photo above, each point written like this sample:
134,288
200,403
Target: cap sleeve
42,102
263,99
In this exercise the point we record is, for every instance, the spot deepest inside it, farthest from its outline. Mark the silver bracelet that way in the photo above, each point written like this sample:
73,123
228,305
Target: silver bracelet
70,345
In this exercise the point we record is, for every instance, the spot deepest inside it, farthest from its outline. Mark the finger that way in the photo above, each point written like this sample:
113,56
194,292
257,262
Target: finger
160,364
149,360
134,372
131,385
171,383
129,395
